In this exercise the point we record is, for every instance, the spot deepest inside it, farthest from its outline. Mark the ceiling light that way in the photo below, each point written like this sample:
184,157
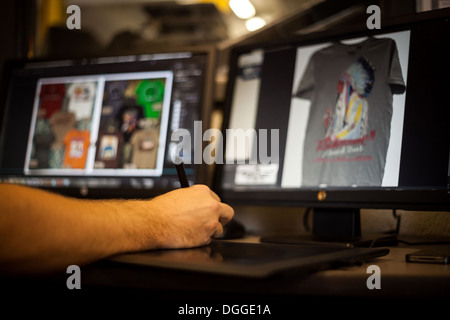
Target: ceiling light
242,8
255,23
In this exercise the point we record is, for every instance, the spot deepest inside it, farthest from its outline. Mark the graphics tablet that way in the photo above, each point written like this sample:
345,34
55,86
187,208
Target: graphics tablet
252,260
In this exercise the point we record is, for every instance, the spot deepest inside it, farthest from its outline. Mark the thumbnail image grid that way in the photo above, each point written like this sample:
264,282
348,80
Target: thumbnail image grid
113,124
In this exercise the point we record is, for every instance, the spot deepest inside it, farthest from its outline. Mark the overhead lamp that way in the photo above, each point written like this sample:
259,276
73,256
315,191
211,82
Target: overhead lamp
255,23
244,9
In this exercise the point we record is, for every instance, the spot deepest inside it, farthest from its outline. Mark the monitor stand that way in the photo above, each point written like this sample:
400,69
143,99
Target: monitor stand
336,226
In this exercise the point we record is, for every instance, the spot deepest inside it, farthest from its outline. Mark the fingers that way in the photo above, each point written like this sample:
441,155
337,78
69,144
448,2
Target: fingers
226,213
219,230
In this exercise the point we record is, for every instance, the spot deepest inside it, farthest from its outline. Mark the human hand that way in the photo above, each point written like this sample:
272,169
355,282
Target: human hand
189,217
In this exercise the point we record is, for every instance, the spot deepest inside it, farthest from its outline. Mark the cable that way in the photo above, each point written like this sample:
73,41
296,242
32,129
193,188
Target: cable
306,218
398,218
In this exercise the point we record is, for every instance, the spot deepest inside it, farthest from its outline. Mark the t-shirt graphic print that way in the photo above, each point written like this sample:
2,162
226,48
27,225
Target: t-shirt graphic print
76,149
350,88
81,99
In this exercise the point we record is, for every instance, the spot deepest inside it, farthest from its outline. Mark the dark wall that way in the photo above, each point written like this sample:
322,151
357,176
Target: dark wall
17,24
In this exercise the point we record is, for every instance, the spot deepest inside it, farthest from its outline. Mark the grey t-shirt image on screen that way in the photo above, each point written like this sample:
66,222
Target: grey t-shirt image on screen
351,91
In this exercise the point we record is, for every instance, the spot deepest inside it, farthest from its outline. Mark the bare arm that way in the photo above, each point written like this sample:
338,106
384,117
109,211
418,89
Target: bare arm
42,231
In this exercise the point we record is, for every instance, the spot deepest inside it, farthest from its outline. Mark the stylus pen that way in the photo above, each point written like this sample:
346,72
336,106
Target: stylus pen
182,175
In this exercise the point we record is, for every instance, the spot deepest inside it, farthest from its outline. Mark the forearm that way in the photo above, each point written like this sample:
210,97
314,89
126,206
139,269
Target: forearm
42,231
48,231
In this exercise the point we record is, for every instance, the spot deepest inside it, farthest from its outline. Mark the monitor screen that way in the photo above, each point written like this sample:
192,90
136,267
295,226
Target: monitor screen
103,126
353,118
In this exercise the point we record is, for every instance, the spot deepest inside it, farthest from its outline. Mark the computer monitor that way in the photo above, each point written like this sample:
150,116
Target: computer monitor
340,121
103,126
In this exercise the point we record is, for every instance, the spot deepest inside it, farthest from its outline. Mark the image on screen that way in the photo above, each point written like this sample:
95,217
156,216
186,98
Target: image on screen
111,124
339,125
353,95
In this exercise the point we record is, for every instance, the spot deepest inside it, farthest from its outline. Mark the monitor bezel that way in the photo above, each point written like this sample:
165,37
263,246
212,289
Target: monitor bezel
361,198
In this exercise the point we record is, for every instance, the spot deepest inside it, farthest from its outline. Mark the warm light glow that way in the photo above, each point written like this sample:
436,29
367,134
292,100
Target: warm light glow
255,23
242,8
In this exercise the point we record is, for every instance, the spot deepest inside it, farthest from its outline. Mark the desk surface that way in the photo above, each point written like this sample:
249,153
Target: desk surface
107,286
398,279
